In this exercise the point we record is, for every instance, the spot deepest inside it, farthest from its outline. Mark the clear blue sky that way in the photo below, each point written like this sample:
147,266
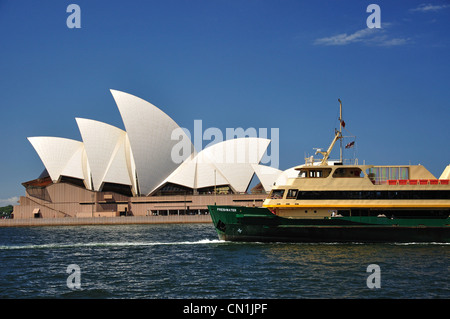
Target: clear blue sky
246,63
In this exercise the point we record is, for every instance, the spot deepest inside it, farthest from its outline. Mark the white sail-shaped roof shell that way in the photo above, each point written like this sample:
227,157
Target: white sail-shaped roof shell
232,162
62,157
207,174
234,159
141,156
446,173
285,175
198,171
245,150
149,130
108,153
185,174
267,175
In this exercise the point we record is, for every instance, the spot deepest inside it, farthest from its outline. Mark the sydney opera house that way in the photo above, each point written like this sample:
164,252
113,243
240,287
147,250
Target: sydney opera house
112,172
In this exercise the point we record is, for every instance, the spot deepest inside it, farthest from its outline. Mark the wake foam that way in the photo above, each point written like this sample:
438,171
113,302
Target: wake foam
110,244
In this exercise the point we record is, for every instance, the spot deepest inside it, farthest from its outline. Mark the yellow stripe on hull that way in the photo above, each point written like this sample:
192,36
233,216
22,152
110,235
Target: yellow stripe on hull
361,205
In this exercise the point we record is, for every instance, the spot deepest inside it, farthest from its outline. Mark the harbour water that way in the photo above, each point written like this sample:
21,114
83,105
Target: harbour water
187,261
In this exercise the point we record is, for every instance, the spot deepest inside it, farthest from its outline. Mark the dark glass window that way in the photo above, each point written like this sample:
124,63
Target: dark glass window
348,172
277,194
292,193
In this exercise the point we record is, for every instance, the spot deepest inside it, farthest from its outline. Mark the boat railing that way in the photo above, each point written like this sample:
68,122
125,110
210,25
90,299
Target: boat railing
412,182
311,161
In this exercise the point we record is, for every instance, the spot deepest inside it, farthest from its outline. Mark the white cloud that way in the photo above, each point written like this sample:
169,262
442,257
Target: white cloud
392,42
428,7
344,38
367,36
9,201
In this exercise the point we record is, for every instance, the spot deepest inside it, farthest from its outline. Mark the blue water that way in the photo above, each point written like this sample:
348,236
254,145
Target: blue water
188,261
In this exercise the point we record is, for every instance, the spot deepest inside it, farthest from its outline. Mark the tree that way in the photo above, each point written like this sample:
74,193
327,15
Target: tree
6,211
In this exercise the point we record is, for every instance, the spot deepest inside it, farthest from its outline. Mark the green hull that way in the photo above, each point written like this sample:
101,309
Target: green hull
239,223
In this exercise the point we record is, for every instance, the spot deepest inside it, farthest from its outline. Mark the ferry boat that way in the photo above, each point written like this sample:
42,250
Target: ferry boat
339,202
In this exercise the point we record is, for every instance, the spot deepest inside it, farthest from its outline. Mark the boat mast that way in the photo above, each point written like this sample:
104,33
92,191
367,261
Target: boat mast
337,136
340,129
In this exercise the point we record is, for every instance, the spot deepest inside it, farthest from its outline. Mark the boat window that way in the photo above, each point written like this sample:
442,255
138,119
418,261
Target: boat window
302,174
277,193
379,175
292,193
315,173
348,172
